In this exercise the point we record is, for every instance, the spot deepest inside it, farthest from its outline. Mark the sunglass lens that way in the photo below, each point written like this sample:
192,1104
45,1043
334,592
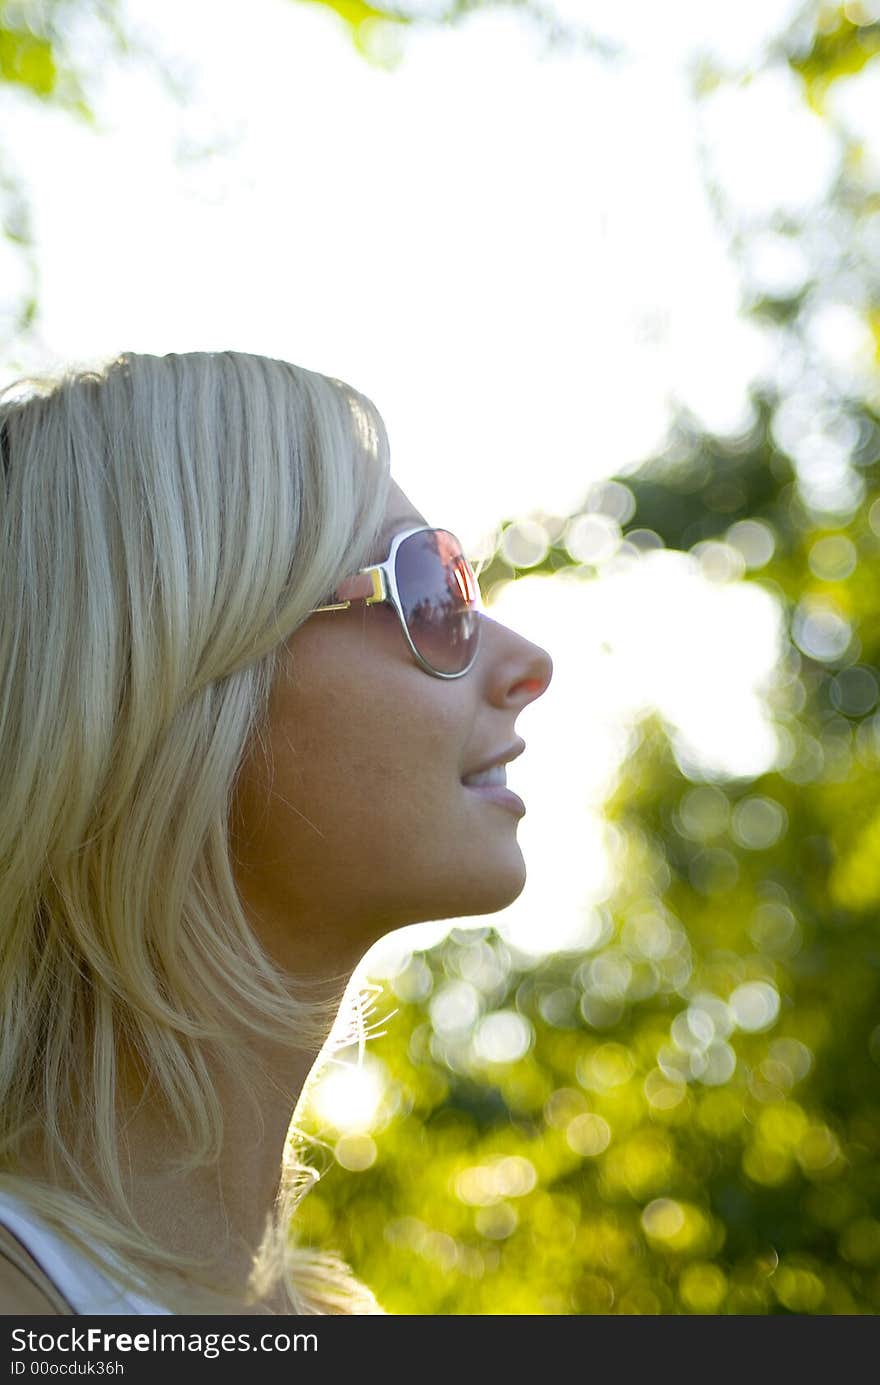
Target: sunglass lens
439,595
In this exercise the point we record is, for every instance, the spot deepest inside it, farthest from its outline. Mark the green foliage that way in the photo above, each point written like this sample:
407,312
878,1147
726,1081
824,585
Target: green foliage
371,29
841,50
37,64
375,30
695,1124
35,51
27,60
684,1117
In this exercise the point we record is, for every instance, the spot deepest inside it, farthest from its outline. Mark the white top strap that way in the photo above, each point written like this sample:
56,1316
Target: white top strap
86,1288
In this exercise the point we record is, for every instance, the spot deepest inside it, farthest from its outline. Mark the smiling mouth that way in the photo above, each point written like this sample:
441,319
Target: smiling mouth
499,794
489,778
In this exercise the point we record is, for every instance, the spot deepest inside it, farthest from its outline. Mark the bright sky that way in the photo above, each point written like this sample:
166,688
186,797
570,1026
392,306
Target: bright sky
513,255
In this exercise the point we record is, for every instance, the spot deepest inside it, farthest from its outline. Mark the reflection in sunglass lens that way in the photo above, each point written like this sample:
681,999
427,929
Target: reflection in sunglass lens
438,592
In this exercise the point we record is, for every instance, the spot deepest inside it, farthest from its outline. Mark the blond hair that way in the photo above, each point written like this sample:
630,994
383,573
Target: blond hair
165,524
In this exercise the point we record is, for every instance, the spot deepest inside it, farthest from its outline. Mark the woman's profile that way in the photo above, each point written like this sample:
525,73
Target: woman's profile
231,760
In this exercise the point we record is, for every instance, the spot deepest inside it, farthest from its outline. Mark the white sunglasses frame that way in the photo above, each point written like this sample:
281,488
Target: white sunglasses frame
378,582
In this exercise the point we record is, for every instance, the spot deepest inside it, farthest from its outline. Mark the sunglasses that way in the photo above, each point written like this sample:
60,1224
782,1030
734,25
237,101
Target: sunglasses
434,590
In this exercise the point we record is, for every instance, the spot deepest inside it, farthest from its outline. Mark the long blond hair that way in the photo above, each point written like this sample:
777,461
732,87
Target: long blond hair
165,524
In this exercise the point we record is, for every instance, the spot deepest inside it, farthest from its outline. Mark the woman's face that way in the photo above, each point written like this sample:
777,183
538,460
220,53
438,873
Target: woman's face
365,825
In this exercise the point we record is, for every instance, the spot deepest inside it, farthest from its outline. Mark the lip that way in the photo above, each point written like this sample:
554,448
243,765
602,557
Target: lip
496,793
502,757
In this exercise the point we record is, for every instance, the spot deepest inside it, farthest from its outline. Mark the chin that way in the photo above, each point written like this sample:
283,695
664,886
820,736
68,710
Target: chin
495,886
483,881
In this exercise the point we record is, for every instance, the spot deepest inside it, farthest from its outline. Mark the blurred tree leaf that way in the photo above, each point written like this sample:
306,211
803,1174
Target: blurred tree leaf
374,29
841,51
683,1117
27,60
41,60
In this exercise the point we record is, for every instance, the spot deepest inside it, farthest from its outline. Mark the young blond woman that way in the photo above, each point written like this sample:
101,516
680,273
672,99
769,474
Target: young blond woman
229,763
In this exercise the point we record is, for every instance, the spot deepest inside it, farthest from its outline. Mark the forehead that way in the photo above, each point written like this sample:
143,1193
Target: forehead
400,514
398,524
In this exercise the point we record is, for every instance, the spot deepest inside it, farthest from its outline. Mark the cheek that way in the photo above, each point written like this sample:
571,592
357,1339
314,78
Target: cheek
360,717
390,752
332,752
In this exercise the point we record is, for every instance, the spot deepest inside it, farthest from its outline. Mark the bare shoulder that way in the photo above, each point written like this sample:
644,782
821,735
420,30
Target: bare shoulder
19,1295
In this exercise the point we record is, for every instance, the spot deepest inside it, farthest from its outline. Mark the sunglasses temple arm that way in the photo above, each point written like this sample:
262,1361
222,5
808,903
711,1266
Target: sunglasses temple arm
366,586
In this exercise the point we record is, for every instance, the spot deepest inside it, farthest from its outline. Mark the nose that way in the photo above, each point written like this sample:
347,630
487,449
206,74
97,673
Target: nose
536,683
519,665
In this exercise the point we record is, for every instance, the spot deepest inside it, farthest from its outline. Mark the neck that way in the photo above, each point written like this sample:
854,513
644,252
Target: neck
222,1211
218,1212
